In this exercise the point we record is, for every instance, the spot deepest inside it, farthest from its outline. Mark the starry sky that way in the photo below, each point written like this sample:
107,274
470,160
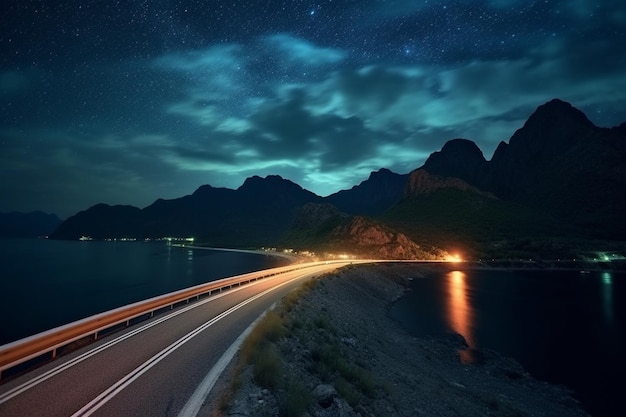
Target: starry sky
124,102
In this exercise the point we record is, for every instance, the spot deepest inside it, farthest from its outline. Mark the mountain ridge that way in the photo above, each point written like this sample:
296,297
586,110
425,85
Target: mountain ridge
31,224
558,170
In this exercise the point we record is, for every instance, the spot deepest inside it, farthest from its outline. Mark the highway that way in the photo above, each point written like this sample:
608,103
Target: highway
158,367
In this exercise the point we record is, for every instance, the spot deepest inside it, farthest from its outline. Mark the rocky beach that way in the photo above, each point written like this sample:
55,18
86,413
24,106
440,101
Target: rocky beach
331,350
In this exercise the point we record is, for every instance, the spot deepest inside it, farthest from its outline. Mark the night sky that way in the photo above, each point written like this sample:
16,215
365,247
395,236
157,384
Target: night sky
124,102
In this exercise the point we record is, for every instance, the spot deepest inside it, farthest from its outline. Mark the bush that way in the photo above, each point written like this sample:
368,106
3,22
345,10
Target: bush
330,361
345,390
295,400
267,369
269,329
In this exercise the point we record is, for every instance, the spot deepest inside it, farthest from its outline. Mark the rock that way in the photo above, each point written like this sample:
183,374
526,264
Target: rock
350,341
324,395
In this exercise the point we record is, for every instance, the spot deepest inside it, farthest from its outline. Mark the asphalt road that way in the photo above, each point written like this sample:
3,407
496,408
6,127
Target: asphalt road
152,368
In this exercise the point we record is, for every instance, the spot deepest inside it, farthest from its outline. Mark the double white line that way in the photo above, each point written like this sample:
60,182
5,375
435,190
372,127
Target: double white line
114,389
57,370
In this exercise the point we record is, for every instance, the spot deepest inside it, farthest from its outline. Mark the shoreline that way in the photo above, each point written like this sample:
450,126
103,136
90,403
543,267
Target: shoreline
291,257
337,338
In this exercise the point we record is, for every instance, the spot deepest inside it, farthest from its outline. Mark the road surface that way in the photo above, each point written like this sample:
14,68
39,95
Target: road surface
152,368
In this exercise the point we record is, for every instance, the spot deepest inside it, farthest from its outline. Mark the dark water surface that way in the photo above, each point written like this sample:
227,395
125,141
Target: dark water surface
564,327
46,283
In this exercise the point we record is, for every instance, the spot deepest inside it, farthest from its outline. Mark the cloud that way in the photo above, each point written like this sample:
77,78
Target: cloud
66,173
296,51
217,57
205,77
344,123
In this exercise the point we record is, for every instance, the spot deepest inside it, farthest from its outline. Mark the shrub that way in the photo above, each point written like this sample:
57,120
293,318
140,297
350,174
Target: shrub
269,329
345,390
295,400
267,369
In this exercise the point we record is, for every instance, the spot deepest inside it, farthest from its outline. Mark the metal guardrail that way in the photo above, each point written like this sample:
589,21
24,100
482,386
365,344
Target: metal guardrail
49,342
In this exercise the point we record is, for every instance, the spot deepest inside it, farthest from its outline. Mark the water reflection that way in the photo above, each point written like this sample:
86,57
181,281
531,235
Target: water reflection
607,296
459,312
189,262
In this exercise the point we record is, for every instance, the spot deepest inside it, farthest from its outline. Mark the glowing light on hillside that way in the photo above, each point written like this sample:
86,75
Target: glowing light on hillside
454,258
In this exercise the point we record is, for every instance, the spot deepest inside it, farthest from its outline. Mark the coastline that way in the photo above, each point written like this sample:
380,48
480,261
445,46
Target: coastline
290,257
338,339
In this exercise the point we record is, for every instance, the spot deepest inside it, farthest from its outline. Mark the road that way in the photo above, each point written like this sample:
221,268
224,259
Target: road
152,368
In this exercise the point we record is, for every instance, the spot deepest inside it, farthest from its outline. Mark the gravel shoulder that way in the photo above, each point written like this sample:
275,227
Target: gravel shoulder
331,350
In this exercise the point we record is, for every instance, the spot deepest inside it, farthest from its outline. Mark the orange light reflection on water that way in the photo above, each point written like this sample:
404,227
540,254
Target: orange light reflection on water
459,311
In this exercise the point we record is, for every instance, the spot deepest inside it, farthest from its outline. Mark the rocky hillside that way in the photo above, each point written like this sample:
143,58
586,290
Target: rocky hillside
325,228
420,183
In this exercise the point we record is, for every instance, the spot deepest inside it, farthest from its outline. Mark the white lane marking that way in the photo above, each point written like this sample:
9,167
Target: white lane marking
114,389
60,368
195,402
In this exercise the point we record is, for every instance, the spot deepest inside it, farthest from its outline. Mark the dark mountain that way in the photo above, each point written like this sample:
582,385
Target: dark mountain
558,182
373,196
257,213
558,163
34,224
101,221
459,158
476,224
451,214
548,136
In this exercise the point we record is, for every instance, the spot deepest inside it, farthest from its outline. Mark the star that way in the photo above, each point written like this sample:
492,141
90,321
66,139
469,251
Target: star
177,96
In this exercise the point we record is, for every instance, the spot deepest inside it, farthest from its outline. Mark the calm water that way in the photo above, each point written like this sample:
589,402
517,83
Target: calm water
46,283
564,327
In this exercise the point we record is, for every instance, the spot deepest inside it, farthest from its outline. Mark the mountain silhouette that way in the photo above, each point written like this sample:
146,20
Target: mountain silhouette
33,224
257,213
373,196
558,162
558,181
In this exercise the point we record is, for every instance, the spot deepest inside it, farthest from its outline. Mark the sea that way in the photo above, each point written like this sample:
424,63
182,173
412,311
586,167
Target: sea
47,283
564,327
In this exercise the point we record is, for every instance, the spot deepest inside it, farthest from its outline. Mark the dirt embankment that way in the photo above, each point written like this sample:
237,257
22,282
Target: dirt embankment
332,351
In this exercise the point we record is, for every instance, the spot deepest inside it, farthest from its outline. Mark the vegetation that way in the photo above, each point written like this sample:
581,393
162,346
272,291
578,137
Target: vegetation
333,365
295,399
483,227
265,347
